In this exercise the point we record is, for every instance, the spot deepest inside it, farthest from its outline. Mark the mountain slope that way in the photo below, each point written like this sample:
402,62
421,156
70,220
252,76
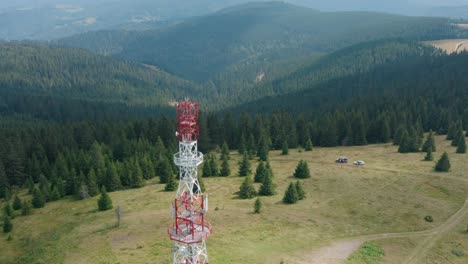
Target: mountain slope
64,74
201,48
409,73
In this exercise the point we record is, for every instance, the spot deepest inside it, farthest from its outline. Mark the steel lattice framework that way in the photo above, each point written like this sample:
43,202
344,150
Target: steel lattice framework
189,228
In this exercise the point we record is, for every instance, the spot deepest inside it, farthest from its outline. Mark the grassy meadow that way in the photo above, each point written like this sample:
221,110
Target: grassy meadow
392,193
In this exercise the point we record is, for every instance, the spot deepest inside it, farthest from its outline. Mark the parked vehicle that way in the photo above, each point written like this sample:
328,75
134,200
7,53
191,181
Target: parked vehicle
342,160
359,163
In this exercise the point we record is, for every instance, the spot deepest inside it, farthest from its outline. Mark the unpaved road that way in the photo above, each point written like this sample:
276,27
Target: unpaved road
340,250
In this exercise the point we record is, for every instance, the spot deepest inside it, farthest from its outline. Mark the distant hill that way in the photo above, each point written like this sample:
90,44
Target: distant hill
204,47
378,76
55,75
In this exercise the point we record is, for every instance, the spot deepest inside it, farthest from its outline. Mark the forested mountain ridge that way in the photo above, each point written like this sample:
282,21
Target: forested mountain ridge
201,48
425,89
40,73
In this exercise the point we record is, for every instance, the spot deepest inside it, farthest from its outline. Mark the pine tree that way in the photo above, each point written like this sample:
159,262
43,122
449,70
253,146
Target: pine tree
291,196
456,139
112,180
91,183
429,143
263,148
269,169
308,146
385,133
225,169
4,185
244,165
461,146
7,209
258,206
26,208
443,165
104,202
7,225
54,194
202,185
398,135
206,171
224,151
429,156
83,191
260,172
44,187
137,176
405,143
300,191
17,203
171,184
252,146
38,200
302,170
165,170
30,185
285,149
214,166
247,189
267,188
452,131
242,145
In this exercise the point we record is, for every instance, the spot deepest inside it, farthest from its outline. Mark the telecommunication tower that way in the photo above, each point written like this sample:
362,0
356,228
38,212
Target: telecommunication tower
189,229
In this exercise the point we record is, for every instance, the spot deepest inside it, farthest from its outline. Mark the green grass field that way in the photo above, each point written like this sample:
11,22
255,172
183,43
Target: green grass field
392,193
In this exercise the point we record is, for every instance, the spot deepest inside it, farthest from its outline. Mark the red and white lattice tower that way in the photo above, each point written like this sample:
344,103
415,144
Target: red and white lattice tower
189,228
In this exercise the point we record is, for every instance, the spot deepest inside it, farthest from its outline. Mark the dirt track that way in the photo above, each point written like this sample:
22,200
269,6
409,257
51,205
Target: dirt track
339,251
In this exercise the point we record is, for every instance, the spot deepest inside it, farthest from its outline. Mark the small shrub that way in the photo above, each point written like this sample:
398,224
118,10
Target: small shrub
429,219
258,206
458,252
216,208
10,238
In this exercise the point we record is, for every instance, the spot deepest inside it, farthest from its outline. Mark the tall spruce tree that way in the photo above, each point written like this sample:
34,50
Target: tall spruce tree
225,151
206,171
7,209
308,146
247,189
38,200
452,131
300,191
405,143
267,188
112,180
4,185
302,170
201,184
244,165
285,148
461,146
165,170
104,202
91,183
291,196
443,165
7,225
456,139
17,203
171,184
225,169
260,172
429,143
137,180
429,156
214,166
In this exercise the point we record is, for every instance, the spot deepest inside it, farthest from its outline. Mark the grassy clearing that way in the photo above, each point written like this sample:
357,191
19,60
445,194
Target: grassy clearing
368,253
446,248
392,193
450,45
